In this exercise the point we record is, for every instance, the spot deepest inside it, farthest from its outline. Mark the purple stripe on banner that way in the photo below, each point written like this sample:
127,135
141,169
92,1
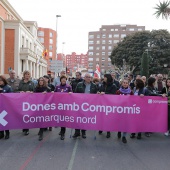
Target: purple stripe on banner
83,111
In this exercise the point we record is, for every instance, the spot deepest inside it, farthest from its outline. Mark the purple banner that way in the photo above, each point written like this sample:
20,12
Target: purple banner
83,111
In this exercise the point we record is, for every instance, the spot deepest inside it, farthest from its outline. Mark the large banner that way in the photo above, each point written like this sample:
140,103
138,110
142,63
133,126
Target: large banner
83,111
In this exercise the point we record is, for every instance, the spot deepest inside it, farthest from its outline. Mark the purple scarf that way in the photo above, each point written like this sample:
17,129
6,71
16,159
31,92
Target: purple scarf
125,90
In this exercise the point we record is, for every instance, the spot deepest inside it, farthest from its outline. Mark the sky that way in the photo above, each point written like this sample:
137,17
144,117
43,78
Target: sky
79,17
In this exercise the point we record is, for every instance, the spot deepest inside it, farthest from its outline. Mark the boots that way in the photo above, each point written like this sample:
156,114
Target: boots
83,134
7,134
76,134
108,135
1,134
40,133
62,136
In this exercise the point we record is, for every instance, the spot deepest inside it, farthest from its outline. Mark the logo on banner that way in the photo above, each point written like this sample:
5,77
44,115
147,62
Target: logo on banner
149,101
3,122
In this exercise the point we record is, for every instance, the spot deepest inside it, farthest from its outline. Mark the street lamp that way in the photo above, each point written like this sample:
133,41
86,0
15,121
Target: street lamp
57,16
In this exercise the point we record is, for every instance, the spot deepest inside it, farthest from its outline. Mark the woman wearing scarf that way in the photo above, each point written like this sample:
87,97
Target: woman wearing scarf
124,90
63,88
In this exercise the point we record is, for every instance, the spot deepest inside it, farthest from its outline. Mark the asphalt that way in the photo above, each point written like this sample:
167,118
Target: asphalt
27,153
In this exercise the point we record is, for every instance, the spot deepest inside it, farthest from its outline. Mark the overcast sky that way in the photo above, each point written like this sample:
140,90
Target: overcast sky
78,17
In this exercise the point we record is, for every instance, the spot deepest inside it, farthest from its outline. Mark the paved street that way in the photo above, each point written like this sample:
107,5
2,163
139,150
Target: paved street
27,153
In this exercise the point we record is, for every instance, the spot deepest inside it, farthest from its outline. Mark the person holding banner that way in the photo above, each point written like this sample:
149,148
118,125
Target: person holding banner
63,88
87,87
26,85
4,88
124,90
166,91
107,87
42,87
139,90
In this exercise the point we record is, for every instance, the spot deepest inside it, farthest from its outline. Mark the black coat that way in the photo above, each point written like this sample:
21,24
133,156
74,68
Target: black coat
151,91
42,89
108,88
74,84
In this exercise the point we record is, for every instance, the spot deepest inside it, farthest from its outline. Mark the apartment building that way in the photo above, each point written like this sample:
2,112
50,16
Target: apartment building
47,37
20,48
102,42
75,62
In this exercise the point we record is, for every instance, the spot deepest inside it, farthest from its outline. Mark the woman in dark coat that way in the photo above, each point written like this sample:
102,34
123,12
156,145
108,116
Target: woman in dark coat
166,91
41,88
4,88
139,90
107,87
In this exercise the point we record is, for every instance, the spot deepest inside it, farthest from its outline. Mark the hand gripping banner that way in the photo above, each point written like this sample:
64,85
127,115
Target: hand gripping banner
83,111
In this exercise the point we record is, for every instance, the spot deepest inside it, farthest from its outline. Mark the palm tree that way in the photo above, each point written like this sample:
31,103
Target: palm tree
163,9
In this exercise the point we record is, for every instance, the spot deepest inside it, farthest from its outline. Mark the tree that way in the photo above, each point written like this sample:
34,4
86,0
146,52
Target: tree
131,49
145,65
163,9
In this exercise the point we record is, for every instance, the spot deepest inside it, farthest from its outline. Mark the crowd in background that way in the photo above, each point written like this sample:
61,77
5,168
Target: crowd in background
155,85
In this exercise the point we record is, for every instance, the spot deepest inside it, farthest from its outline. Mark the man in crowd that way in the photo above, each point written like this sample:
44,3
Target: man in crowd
131,81
77,80
159,85
87,87
113,74
13,81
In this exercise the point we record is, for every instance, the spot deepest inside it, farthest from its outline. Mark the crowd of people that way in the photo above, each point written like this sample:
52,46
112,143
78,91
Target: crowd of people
155,85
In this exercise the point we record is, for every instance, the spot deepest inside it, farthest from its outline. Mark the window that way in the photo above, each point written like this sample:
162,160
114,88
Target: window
50,47
98,42
116,35
26,43
97,53
110,35
97,59
90,53
97,48
109,53
110,41
41,33
91,36
51,34
103,59
109,64
109,47
131,29
104,36
103,47
112,29
103,29
98,36
123,35
109,59
115,41
90,64
103,53
116,29
103,41
22,41
139,29
102,64
90,59
41,40
90,47
51,41
50,54
91,42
